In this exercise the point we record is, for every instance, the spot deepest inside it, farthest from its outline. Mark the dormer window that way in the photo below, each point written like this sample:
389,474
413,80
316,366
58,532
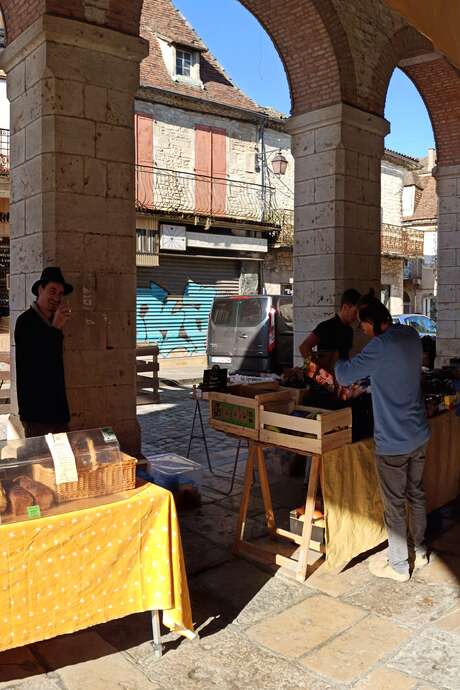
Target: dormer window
184,63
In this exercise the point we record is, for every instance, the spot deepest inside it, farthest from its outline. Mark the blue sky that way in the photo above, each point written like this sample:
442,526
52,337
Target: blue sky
252,62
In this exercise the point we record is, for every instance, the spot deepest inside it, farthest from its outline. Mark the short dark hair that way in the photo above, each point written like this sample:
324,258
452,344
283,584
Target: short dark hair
350,296
371,310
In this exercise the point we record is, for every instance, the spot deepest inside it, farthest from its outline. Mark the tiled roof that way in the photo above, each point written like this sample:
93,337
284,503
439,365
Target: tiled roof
401,159
160,19
427,204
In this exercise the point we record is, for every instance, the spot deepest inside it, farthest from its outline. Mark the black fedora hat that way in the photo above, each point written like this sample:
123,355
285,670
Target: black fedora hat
52,274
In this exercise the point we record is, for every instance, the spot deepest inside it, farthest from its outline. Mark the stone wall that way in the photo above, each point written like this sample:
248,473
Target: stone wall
391,193
278,269
174,147
392,275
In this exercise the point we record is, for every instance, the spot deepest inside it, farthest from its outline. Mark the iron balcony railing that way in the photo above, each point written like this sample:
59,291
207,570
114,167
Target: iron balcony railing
174,191
4,151
401,242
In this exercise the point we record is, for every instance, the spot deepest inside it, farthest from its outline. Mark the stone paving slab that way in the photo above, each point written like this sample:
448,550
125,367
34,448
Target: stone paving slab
301,628
384,679
114,672
347,582
67,650
228,661
201,553
353,653
16,664
431,659
249,591
43,682
413,603
219,525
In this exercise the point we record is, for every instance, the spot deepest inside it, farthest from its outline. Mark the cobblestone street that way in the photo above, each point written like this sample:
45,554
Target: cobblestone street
259,630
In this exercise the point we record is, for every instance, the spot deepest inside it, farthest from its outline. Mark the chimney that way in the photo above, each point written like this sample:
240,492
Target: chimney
431,162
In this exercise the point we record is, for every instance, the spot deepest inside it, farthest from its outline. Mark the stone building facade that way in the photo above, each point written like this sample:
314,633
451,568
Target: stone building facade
208,201
73,72
420,213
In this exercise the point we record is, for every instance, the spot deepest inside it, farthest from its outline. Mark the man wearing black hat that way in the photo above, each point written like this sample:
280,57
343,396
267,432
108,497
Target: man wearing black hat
40,382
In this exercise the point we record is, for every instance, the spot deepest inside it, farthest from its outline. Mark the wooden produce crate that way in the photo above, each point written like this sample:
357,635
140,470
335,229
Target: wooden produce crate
325,430
238,410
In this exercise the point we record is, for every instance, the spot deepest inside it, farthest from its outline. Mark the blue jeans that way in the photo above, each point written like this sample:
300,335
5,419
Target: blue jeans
401,487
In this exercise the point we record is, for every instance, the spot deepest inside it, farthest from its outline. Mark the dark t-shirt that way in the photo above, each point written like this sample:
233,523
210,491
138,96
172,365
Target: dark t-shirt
334,336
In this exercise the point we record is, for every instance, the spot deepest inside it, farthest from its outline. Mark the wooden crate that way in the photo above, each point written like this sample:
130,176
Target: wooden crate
330,429
238,410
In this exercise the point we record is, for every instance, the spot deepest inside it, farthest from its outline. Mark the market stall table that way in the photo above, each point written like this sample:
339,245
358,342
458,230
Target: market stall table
352,504
107,558
353,511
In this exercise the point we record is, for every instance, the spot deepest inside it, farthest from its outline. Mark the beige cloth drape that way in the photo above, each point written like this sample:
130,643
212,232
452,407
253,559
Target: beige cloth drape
353,507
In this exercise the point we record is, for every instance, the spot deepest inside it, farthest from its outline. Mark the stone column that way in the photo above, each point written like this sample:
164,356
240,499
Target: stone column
71,86
448,187
337,151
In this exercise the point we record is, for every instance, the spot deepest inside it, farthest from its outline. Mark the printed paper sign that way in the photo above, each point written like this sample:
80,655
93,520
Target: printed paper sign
65,467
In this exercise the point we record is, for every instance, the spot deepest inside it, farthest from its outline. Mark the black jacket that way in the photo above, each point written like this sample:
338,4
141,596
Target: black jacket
40,370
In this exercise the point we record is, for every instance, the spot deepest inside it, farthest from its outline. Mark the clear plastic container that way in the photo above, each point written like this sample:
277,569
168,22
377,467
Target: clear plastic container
28,480
180,475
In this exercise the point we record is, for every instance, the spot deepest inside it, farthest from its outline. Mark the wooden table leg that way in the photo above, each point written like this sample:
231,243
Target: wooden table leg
301,573
265,487
248,481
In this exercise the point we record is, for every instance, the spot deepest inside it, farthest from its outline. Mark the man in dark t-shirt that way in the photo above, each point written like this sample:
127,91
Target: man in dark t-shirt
335,334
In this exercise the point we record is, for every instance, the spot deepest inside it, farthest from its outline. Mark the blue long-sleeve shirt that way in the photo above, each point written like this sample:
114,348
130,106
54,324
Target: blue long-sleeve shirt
393,362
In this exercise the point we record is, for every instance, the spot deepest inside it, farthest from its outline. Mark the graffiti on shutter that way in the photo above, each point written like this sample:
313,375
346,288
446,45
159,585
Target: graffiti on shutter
175,323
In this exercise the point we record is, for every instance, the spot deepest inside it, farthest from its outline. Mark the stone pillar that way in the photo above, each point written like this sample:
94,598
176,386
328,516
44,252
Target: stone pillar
448,187
337,151
71,86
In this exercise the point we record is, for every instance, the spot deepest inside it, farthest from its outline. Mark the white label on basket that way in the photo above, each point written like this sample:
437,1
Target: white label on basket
65,467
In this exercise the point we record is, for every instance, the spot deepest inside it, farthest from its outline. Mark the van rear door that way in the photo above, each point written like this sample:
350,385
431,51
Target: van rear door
222,331
252,327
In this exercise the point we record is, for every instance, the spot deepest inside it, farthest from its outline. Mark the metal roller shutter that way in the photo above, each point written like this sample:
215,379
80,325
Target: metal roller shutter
174,300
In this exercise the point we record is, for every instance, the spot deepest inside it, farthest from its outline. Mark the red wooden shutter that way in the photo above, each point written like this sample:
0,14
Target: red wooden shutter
219,171
144,160
203,168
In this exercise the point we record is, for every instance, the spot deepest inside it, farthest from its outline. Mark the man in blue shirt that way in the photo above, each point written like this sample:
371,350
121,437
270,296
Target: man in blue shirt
393,361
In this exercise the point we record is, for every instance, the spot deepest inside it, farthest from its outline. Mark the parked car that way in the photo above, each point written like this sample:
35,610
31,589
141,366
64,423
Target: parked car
422,324
251,334
426,328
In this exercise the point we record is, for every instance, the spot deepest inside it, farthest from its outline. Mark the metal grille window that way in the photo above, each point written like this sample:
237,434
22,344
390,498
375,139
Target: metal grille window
146,241
183,63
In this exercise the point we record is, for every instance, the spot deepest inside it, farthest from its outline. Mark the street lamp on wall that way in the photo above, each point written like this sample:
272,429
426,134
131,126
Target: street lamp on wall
279,163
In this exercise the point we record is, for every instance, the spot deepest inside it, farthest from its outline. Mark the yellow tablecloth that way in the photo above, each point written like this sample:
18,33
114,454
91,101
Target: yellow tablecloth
66,572
353,507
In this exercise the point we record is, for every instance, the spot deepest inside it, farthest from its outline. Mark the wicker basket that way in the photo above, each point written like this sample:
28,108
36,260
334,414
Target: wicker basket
101,480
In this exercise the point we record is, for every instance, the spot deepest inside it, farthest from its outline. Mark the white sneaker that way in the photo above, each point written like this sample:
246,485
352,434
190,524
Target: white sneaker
421,560
381,568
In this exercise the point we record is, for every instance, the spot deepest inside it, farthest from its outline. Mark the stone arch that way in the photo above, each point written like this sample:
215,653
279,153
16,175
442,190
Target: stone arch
404,44
438,83
313,47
